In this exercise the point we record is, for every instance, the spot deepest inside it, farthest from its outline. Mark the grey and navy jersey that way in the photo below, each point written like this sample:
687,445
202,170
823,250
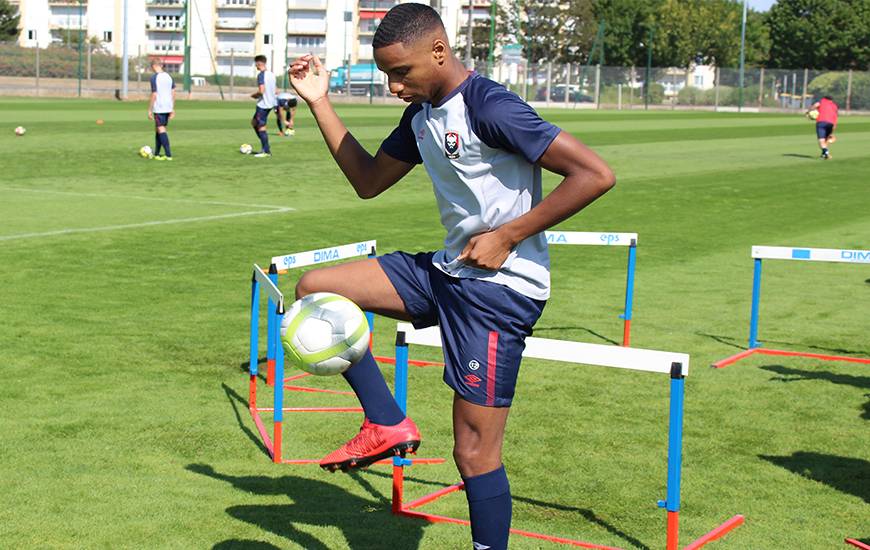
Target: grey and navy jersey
480,146
162,85
267,80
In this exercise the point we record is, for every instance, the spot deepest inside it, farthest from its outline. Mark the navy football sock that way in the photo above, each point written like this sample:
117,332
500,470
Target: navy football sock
164,139
157,143
368,383
264,141
489,504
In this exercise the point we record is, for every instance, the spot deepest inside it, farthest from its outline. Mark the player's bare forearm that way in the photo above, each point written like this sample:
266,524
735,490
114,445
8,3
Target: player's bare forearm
586,177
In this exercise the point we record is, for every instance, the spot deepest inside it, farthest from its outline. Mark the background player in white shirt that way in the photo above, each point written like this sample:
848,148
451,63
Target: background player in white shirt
266,102
483,148
161,108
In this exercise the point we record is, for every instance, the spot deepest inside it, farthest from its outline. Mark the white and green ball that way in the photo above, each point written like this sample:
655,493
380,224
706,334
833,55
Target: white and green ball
324,333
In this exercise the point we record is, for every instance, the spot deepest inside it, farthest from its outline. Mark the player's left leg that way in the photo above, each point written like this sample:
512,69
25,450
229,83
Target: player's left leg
161,137
291,124
279,119
259,122
478,434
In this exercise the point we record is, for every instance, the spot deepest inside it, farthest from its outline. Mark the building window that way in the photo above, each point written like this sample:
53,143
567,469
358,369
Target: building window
107,36
31,35
699,81
267,39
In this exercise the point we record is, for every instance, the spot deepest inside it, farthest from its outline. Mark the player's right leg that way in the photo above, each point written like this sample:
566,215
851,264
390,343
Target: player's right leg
386,431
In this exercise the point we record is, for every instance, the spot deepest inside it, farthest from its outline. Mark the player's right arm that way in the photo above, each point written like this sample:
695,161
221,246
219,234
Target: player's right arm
369,175
153,97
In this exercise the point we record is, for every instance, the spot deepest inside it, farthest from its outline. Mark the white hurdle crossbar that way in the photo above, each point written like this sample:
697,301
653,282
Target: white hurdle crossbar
675,365
592,238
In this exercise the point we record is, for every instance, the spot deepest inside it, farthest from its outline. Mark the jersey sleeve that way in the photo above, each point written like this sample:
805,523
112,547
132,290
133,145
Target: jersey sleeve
261,78
173,82
153,83
504,121
401,144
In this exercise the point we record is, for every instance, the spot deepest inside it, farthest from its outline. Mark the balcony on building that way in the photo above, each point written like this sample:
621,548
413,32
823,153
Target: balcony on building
164,3
68,3
237,4
168,25
306,5
306,22
165,48
377,5
236,24
67,22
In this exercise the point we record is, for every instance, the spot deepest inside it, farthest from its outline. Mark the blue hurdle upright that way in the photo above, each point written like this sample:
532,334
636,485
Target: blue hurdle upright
760,253
589,238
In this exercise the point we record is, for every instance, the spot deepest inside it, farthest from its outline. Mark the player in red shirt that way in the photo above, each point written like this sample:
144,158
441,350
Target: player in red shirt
825,123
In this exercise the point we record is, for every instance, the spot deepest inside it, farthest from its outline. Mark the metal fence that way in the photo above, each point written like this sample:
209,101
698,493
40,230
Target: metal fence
89,71
592,86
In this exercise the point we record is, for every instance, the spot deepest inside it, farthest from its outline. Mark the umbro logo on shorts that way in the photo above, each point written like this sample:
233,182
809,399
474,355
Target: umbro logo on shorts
472,380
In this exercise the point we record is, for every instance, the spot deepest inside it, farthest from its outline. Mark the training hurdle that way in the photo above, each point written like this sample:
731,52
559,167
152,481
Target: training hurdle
675,365
760,253
275,352
590,238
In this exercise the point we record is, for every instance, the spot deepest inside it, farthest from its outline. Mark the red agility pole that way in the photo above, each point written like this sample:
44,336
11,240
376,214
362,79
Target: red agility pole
799,254
858,544
676,365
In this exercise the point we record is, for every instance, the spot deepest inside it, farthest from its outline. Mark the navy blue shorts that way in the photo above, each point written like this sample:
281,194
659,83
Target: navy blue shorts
484,325
824,129
286,104
261,115
161,119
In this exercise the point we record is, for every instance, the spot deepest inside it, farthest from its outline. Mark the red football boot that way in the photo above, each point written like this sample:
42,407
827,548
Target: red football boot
373,442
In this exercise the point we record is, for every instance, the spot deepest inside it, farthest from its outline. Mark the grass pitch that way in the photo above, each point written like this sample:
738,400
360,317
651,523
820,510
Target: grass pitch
125,301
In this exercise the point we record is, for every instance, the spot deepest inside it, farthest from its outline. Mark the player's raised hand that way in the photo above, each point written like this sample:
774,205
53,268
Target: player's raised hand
309,78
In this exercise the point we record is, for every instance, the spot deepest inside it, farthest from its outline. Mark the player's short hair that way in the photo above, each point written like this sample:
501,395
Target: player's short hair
829,98
156,62
260,59
406,23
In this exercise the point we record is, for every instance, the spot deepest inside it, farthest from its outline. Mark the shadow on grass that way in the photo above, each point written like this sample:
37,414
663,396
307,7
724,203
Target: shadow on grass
246,366
731,341
236,399
788,374
797,156
586,514
318,504
847,475
541,331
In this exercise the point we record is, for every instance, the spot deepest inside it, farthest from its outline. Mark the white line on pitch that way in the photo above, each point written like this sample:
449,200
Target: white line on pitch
143,224
134,197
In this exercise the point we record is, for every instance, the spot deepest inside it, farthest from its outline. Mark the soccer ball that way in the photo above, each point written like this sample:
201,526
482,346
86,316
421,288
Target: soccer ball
813,115
19,130
145,152
324,333
288,132
246,149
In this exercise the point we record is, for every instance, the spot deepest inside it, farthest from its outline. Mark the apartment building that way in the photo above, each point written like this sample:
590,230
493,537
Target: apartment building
224,35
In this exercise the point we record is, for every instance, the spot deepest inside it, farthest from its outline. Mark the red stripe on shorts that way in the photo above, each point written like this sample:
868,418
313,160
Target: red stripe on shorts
491,355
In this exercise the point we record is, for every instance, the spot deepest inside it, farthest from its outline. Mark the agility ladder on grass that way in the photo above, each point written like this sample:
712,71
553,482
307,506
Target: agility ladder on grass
799,254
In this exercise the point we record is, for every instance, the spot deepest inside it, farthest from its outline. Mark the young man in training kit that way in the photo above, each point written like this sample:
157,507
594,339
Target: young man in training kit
161,109
825,123
285,113
266,101
483,148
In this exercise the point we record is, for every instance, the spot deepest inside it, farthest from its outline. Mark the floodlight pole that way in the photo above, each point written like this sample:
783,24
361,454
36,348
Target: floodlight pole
81,44
491,59
648,67
469,32
742,58
125,61
287,45
186,46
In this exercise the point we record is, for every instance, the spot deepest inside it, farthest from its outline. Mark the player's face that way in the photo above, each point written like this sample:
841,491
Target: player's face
260,65
411,69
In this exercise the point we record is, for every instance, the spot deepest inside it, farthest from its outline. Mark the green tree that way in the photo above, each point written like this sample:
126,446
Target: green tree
820,34
557,32
627,23
9,18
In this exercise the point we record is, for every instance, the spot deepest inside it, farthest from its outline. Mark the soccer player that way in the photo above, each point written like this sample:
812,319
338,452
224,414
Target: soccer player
483,147
825,123
286,106
161,108
266,101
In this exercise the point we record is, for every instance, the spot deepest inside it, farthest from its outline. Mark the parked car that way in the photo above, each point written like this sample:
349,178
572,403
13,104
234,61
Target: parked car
557,93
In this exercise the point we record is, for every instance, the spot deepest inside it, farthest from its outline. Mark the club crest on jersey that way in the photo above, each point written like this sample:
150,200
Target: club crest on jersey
451,145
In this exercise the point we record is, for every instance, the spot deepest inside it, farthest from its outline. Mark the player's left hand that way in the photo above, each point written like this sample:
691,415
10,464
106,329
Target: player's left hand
487,251
150,115
171,115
